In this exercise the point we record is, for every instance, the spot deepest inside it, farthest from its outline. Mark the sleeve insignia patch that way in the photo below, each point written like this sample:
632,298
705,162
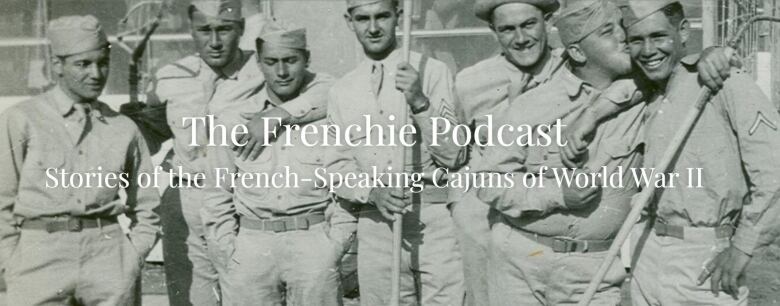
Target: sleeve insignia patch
761,120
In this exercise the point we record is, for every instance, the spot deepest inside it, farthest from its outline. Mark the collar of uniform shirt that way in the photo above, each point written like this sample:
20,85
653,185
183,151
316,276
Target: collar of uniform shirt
573,84
552,62
390,62
64,104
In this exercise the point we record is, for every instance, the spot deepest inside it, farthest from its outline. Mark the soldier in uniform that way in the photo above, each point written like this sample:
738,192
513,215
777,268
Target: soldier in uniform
551,237
65,157
393,92
282,242
219,75
485,89
708,229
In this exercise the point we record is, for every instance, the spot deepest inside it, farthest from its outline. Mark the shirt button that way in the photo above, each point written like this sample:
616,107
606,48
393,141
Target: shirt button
78,201
381,112
278,197
545,157
81,152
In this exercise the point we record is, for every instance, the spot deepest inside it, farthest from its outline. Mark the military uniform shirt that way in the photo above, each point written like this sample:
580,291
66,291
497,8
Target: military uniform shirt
47,134
294,165
266,202
190,88
352,98
734,142
541,209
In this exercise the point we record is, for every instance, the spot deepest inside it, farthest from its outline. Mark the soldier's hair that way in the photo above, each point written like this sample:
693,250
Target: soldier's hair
259,49
396,4
674,12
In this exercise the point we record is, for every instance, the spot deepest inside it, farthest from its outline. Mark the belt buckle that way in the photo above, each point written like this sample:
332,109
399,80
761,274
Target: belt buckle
302,224
278,226
561,245
661,230
75,225
51,227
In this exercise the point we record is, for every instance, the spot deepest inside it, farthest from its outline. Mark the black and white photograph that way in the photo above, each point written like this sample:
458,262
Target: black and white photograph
389,152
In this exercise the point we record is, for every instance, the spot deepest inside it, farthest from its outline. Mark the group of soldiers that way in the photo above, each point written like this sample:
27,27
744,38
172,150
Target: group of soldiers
622,82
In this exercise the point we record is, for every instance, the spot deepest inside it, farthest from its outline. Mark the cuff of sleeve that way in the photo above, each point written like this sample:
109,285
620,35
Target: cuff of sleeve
300,108
746,239
362,194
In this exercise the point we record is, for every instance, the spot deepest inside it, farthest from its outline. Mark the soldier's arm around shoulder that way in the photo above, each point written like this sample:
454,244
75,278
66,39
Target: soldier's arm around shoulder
755,121
311,104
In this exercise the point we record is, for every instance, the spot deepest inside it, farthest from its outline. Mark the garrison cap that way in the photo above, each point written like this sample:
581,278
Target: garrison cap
70,35
484,8
276,33
222,9
635,11
583,17
355,3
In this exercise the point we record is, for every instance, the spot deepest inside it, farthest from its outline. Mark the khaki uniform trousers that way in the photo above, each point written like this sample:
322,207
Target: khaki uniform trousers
190,273
95,266
294,268
666,269
473,219
431,267
524,272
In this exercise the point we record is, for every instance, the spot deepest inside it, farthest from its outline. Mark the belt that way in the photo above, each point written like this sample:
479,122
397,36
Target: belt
676,231
282,224
70,224
568,245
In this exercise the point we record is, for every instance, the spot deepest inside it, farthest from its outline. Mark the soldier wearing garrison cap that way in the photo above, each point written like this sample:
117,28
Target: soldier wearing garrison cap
62,244
216,78
393,93
278,244
485,89
698,241
550,238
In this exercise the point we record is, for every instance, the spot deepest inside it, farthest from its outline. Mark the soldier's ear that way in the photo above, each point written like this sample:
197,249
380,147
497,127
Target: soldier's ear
56,65
348,20
241,28
575,54
684,28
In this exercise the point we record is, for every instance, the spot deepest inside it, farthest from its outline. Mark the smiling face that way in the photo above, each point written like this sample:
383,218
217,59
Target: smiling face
83,76
657,45
605,49
520,29
215,39
374,26
284,69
